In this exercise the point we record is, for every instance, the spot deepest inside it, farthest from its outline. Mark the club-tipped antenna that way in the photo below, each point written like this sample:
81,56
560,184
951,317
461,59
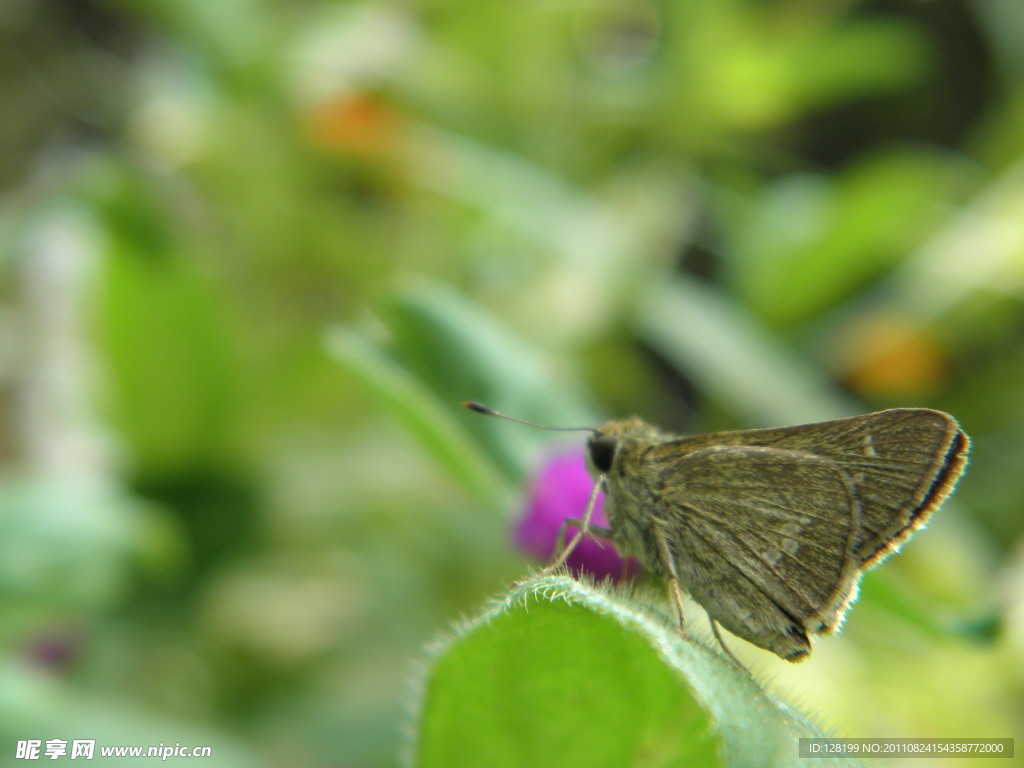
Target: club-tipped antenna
473,405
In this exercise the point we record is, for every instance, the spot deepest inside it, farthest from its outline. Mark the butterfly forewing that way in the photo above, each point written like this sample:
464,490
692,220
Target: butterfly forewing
902,464
781,524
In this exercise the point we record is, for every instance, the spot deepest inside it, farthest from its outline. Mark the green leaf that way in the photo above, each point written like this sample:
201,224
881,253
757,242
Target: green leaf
812,241
831,67
172,360
416,408
562,672
465,353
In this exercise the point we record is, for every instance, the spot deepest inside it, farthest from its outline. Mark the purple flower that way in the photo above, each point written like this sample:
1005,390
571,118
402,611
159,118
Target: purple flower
560,490
56,648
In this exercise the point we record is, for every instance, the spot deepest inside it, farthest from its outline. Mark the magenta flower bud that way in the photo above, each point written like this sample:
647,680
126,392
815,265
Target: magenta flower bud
558,491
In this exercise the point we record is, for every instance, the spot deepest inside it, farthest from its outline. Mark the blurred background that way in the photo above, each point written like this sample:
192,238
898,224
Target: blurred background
254,253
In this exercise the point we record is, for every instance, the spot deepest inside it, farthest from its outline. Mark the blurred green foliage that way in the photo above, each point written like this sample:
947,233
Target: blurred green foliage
253,253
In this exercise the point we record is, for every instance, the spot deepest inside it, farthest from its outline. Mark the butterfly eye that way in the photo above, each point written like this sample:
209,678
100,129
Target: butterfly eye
602,451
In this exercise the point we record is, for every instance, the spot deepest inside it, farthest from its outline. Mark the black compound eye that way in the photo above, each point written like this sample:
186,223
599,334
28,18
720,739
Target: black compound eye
602,452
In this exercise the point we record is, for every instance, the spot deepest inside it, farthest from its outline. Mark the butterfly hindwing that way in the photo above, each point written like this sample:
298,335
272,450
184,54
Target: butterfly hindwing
764,538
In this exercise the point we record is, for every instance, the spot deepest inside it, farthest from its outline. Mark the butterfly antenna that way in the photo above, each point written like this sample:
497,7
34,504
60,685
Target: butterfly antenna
488,411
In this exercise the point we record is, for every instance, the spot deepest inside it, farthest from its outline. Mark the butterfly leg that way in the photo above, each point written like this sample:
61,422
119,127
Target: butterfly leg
721,642
591,530
627,568
673,577
584,529
673,584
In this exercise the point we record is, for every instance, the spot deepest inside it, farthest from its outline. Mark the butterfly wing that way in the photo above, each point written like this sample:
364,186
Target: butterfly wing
903,463
763,538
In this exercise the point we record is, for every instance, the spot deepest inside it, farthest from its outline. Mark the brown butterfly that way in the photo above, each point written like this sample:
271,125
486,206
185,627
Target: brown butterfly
770,530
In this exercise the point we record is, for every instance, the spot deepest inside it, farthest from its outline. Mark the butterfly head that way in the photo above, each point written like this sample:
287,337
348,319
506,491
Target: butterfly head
610,441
